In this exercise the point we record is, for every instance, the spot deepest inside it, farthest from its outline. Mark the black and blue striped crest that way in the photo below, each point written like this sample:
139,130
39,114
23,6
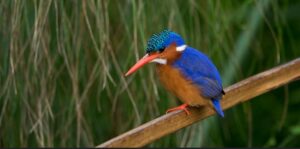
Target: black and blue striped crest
158,41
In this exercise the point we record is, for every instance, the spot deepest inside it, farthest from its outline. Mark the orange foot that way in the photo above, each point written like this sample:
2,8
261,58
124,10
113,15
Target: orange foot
182,107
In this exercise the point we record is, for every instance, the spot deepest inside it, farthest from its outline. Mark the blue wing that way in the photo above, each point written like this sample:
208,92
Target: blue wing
198,68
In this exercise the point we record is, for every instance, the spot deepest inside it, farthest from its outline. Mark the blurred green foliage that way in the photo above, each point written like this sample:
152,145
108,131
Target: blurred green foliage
62,64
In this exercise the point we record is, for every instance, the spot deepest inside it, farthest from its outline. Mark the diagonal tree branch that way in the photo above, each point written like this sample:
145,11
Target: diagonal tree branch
235,94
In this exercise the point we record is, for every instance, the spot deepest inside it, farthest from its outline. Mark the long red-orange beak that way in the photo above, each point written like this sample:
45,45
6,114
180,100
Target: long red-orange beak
143,61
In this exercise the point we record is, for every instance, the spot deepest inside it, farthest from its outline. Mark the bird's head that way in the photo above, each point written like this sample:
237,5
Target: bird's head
162,48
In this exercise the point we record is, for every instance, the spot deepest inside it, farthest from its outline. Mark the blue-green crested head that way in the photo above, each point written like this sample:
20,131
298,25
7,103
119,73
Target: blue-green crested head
160,41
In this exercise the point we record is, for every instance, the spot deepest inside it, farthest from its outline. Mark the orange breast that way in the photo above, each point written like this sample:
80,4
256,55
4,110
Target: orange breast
174,82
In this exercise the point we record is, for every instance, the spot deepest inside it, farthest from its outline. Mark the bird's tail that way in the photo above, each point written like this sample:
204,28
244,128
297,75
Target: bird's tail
218,107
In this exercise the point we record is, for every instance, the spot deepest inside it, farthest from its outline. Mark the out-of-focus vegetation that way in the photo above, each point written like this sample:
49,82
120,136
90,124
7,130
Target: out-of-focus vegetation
62,64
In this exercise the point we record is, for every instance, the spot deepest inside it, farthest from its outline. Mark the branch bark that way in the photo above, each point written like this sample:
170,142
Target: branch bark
235,94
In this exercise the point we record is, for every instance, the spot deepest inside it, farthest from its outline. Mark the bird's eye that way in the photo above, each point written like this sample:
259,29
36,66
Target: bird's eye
161,50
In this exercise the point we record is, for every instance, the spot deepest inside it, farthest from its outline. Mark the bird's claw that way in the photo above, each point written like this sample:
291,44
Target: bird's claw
181,107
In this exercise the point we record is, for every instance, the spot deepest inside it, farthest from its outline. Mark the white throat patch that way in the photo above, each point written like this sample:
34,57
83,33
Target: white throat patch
181,48
160,61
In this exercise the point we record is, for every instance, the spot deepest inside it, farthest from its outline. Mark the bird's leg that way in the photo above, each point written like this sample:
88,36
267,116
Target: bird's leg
181,107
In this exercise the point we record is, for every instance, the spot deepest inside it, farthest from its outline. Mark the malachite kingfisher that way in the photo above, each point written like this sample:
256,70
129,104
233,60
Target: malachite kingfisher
184,71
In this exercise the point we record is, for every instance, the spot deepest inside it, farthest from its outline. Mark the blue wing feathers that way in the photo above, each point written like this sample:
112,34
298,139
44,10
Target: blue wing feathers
198,68
217,107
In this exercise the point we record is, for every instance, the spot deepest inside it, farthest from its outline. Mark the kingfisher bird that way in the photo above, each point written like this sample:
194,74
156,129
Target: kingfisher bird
184,71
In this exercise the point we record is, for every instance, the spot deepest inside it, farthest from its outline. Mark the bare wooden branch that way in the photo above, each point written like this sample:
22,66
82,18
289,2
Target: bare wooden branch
237,93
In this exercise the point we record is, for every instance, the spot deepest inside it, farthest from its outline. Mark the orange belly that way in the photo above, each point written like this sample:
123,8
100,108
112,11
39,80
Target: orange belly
173,81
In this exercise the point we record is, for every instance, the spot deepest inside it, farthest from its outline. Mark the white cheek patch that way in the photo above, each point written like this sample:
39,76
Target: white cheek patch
181,48
160,61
